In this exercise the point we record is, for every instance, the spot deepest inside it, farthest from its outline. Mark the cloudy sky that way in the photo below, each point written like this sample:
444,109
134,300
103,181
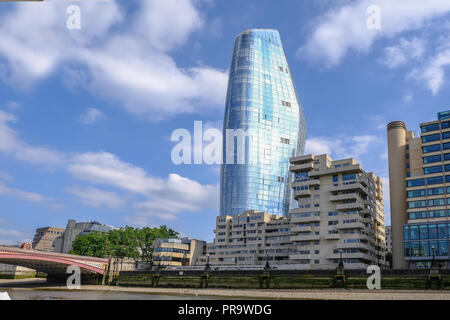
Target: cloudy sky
86,115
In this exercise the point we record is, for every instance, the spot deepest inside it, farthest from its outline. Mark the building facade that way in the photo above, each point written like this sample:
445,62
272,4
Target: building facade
177,252
63,244
340,211
419,172
264,126
388,239
44,238
250,238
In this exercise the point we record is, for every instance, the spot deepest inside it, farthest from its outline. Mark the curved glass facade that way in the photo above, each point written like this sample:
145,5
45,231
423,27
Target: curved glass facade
262,101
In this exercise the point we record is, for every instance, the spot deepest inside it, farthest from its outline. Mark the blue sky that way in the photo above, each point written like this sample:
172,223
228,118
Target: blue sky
86,115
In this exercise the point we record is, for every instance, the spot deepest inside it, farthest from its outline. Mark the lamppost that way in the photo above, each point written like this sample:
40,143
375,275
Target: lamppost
207,266
341,262
267,266
433,262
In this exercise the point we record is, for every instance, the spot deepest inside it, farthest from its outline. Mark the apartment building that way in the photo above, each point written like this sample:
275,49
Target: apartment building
419,172
44,238
177,252
340,211
250,238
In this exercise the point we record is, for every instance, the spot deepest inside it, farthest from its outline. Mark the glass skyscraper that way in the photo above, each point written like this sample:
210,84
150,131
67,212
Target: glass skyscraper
262,101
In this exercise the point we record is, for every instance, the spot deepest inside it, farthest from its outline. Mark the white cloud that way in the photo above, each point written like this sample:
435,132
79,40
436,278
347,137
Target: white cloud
342,147
11,233
91,116
163,198
153,197
28,196
97,198
433,73
129,64
404,51
10,143
344,29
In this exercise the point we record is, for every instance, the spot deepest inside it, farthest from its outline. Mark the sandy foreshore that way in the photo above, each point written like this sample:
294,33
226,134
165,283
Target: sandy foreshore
323,294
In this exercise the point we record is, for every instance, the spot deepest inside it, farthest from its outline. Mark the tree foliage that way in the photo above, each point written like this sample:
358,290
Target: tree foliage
122,243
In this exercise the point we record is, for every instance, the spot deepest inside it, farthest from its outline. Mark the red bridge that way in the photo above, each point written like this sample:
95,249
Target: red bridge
50,262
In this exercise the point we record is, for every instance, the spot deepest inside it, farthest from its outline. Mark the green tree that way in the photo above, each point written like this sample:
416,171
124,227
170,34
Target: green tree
91,244
389,259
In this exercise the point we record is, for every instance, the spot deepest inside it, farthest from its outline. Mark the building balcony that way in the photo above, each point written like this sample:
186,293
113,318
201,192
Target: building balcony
357,245
301,229
306,237
301,167
355,255
347,206
353,186
305,219
302,194
332,236
300,256
354,225
354,168
302,159
309,183
342,197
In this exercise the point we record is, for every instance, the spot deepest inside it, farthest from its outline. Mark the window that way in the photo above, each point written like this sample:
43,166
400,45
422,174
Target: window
432,148
445,135
351,176
435,180
414,232
406,233
442,248
436,202
434,169
285,141
432,231
417,215
446,156
333,222
442,230
333,213
423,230
335,178
416,193
407,249
430,127
285,103
435,191
431,137
446,146
431,159
416,183
417,204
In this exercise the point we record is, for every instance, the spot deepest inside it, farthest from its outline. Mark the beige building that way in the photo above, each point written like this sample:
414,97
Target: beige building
419,177
340,211
177,252
44,238
249,239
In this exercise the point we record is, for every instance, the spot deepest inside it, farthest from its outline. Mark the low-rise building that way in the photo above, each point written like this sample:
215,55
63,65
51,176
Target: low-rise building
63,244
177,252
44,238
250,238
